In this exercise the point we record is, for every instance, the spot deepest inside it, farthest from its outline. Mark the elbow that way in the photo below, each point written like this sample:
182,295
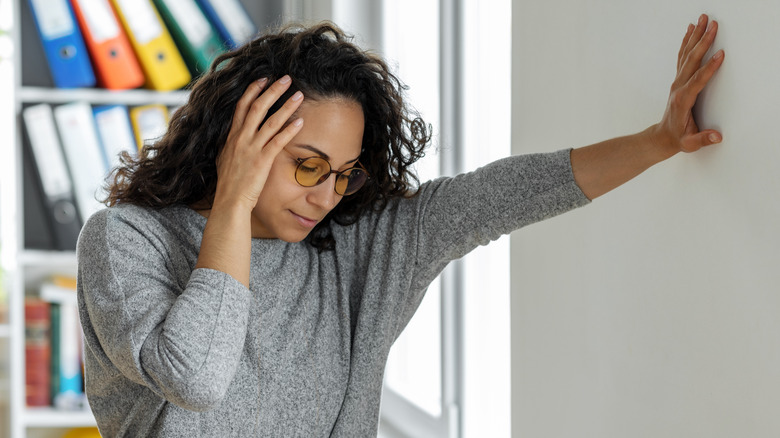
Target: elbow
198,396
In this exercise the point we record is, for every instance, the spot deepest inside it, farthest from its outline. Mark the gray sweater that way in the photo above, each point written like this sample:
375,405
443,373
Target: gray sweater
174,351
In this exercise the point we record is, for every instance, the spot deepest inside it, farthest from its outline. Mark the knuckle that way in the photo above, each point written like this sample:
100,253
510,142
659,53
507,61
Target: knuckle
274,122
677,98
257,108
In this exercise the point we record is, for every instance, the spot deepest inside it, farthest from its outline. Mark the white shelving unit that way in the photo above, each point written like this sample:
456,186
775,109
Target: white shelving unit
24,269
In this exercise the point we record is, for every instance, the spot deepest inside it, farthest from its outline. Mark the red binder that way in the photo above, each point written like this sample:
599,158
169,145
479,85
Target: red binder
112,55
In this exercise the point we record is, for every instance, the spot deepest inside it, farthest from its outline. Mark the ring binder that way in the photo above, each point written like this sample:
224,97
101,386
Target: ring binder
113,58
62,216
160,60
62,43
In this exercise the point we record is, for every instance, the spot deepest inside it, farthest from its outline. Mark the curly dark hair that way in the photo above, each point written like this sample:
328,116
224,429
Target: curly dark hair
323,63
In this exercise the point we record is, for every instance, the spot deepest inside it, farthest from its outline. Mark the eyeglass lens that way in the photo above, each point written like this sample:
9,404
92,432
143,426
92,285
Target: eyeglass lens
313,171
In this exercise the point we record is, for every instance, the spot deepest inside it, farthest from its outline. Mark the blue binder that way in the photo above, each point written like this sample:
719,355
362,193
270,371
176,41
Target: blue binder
115,133
231,20
62,43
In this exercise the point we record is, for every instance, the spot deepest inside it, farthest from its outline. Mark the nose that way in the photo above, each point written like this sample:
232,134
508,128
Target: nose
324,195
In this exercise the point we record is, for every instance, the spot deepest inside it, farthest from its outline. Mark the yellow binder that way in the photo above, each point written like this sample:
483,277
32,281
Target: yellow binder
150,122
160,60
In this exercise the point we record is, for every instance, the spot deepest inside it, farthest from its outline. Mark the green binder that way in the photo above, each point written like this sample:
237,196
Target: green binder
196,38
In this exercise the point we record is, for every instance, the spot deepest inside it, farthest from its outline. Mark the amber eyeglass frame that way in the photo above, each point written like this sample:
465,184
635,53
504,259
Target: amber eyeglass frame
323,170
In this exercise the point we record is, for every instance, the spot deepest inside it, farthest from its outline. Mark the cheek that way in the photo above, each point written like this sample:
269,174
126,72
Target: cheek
279,184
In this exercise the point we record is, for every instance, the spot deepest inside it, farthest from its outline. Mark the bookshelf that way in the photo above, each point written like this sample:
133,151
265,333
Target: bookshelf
24,269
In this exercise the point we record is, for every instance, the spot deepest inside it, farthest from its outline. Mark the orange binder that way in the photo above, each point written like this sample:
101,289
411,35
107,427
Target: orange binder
112,56
160,60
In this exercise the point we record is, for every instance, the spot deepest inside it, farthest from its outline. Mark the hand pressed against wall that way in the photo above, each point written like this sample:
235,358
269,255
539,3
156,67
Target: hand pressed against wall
677,129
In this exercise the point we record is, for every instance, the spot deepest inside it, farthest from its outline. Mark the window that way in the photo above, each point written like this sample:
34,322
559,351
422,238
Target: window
411,45
448,374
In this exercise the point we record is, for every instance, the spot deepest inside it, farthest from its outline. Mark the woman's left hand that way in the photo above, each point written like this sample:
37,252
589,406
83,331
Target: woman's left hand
677,130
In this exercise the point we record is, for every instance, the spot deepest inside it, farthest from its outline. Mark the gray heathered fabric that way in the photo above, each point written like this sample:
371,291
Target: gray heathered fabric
177,352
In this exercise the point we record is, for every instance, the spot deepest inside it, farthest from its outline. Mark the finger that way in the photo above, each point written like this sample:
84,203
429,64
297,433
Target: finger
277,121
282,138
698,32
702,77
242,107
684,98
696,55
681,53
263,103
705,138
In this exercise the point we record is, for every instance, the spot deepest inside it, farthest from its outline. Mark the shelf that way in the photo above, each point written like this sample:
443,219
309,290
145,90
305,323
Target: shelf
50,417
101,96
24,269
32,258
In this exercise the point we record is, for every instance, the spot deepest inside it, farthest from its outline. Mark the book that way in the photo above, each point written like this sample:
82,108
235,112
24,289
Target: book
37,352
66,343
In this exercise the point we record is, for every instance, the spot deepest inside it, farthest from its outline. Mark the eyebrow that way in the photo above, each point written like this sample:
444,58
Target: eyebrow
320,153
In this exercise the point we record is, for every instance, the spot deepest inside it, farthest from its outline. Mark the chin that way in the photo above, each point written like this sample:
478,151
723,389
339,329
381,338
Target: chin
292,236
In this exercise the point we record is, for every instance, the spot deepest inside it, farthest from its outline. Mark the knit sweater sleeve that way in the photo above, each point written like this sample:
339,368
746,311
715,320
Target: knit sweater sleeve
458,214
180,336
399,250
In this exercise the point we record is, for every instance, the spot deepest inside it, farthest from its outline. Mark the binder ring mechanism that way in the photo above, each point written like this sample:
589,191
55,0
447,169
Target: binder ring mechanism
67,52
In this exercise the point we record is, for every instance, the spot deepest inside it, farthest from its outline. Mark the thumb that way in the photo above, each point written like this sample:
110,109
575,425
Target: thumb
704,138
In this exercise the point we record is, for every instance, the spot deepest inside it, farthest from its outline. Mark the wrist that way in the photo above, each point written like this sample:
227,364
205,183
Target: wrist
661,145
232,200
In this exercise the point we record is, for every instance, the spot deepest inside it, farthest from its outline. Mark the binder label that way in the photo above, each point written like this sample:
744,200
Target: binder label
100,19
152,123
54,18
116,133
142,19
191,20
39,121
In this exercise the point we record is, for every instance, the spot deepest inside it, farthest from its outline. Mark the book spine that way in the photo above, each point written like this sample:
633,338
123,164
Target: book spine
37,352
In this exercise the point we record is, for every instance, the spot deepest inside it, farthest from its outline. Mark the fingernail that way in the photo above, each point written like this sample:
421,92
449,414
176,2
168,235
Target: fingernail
298,122
715,138
297,96
285,79
718,54
262,81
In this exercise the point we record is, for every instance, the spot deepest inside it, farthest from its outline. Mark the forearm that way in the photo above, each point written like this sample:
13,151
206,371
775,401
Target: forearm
601,167
227,241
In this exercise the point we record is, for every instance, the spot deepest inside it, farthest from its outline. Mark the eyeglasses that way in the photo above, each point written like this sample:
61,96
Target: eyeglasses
313,171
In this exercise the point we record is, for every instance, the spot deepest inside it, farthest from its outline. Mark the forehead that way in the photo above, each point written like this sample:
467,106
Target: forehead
333,126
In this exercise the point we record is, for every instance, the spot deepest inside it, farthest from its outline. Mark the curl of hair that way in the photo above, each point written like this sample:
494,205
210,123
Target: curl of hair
180,168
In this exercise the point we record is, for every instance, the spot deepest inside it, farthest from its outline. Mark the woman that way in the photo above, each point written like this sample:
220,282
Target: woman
257,263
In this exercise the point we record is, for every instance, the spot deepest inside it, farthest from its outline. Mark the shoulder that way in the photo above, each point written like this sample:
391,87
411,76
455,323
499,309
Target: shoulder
135,225
121,219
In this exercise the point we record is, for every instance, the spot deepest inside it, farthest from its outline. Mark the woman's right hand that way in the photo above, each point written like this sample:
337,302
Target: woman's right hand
250,150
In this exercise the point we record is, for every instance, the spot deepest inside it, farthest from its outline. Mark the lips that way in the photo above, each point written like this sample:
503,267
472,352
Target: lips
304,221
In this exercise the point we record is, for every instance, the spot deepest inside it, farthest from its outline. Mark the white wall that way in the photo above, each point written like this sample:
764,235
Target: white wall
655,311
